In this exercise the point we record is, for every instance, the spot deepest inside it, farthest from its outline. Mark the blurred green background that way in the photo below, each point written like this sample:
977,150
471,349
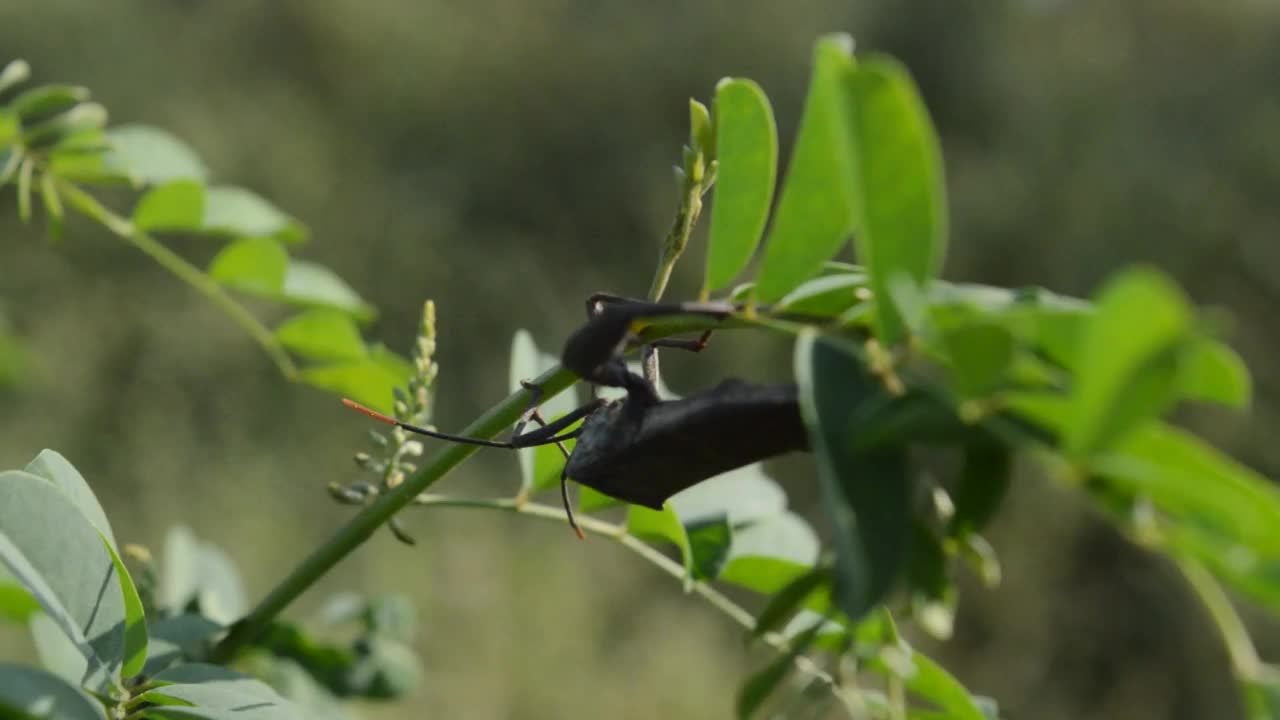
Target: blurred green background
508,158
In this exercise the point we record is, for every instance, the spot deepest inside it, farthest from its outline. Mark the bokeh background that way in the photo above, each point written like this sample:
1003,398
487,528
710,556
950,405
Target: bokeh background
508,158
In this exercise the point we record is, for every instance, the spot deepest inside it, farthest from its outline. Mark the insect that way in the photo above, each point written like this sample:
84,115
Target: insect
642,449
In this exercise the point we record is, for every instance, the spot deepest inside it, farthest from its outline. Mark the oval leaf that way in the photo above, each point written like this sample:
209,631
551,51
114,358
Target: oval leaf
176,205
746,141
322,334
237,212
39,694
815,213
62,560
867,491
255,265
149,156
902,220
308,283
55,468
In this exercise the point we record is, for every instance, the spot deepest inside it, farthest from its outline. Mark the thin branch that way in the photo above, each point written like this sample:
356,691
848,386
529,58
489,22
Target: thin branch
619,534
185,271
1245,662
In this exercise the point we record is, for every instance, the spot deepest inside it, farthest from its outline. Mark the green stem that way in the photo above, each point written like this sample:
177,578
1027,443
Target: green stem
185,271
367,521
677,239
1245,662
619,534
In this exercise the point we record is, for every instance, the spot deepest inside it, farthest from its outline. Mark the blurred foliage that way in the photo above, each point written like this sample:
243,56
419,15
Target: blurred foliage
459,152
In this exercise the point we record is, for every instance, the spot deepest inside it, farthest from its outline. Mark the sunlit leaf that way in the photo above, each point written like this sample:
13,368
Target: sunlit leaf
237,212
150,156
311,284
1128,361
135,621
255,265
771,552
747,152
366,381
902,207
322,334
816,210
47,100
55,468
1213,372
175,205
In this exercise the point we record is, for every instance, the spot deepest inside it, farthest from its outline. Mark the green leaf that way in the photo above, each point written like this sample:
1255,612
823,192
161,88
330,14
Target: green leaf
55,468
747,152
209,691
933,683
179,577
310,284
58,555
771,552
984,482
179,638
150,156
135,620
221,592
45,101
902,206
867,493
591,500
369,381
52,205
25,176
58,129
15,73
16,603
743,495
540,466
979,355
10,129
237,212
701,130
710,539
659,525
1213,372
175,205
816,211
255,265
39,694
58,653
761,685
322,334
790,599
1128,360
825,296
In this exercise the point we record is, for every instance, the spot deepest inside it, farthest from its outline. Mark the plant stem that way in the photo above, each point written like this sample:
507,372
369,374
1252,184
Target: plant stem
185,271
619,534
360,527
677,239
1245,662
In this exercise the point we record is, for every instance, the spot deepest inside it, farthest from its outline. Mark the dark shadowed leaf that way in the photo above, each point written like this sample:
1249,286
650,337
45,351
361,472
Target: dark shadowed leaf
902,222
709,541
815,212
867,492
984,481
26,692
747,152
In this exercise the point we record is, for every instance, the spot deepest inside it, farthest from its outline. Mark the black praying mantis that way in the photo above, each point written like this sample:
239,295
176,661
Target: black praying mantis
641,449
